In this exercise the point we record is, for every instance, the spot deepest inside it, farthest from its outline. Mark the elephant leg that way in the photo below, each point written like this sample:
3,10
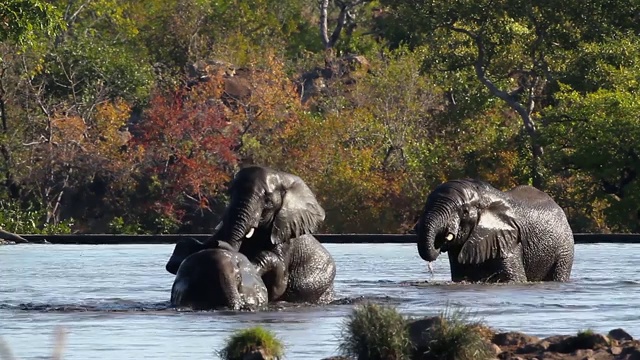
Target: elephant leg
513,268
312,272
274,273
561,270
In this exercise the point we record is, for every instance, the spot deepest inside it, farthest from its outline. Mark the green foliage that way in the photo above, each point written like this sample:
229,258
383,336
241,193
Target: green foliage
29,220
119,226
458,336
245,341
375,332
586,333
23,21
104,120
607,122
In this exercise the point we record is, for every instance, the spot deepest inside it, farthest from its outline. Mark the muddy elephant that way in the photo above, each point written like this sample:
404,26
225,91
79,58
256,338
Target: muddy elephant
214,278
270,218
496,236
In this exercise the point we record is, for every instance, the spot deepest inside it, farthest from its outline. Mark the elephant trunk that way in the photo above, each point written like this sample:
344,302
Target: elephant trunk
241,222
428,228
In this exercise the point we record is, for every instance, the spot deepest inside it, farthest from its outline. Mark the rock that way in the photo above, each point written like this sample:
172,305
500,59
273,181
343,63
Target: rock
620,335
513,338
419,331
540,346
258,355
631,352
557,343
495,349
590,341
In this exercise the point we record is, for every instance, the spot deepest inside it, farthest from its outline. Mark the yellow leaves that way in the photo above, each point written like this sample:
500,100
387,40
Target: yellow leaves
67,129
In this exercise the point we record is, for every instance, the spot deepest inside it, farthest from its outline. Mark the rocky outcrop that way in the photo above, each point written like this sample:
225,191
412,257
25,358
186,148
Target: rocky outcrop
618,345
513,345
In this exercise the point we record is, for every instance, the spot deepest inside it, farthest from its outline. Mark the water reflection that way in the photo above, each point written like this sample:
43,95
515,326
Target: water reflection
113,300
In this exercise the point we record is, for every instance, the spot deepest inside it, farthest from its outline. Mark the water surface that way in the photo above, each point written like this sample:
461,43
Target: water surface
113,300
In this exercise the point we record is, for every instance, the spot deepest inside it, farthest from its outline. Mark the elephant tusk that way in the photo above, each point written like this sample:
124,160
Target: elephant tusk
250,233
449,237
218,227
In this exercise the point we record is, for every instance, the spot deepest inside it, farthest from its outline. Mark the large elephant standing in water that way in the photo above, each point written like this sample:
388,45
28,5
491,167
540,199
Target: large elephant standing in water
494,236
214,278
270,218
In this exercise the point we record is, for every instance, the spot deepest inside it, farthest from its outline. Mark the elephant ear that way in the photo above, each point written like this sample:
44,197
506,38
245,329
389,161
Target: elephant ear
493,237
300,212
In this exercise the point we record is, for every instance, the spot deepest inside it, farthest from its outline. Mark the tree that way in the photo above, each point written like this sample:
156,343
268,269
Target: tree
514,47
185,151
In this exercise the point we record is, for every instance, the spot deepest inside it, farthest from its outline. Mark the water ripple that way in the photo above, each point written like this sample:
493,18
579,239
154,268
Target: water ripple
113,300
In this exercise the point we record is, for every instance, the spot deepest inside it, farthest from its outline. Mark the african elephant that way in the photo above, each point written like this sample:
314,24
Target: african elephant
214,278
496,236
269,218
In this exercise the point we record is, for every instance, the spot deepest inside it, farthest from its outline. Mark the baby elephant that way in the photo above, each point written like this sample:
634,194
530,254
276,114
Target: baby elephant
215,278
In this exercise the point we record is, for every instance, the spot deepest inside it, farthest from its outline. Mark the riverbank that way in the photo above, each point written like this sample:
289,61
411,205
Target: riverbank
375,332
113,239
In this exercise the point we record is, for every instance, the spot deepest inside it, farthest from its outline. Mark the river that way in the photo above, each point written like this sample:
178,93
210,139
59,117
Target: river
112,300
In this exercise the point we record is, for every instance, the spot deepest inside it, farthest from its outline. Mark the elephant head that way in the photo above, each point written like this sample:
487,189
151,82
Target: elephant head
471,220
183,248
268,204
216,279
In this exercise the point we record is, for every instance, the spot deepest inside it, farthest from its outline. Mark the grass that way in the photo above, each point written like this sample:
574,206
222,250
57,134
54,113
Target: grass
375,332
458,336
245,341
586,333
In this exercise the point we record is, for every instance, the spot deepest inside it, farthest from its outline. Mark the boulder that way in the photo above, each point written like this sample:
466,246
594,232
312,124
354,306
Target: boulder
620,335
514,338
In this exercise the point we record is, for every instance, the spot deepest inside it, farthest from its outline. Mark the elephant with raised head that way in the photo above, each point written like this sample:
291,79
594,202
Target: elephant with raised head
270,218
214,278
496,236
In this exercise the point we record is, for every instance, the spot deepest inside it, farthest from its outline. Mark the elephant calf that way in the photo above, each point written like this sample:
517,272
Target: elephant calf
215,278
496,236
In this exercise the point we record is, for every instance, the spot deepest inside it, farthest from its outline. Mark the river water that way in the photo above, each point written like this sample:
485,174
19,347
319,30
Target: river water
112,300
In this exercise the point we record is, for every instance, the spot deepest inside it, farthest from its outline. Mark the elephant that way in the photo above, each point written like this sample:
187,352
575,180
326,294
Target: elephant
270,217
491,235
214,278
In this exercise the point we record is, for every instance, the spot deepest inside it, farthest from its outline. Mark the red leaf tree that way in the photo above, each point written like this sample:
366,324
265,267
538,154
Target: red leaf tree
185,149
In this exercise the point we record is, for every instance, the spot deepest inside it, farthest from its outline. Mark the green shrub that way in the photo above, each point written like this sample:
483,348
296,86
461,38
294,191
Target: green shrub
458,337
586,333
245,341
375,332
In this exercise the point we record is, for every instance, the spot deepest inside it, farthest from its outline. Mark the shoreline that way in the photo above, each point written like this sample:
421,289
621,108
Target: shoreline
115,239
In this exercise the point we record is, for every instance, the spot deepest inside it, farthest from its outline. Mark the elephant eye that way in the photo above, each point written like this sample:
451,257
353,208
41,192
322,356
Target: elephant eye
268,202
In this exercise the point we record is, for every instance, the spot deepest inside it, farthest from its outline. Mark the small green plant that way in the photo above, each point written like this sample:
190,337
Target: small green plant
586,333
375,332
245,341
118,225
458,337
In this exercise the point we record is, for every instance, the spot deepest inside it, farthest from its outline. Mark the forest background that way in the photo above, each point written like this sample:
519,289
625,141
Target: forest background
127,116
